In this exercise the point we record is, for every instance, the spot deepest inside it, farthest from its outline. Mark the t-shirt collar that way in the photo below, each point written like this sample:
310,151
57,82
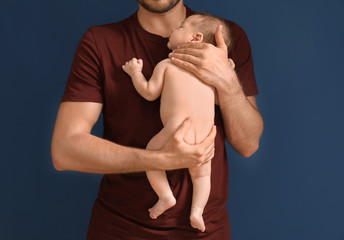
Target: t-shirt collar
153,36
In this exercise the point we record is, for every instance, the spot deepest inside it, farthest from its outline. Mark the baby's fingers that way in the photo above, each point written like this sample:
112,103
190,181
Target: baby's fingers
210,139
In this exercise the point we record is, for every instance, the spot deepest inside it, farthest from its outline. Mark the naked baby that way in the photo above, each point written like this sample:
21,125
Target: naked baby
183,95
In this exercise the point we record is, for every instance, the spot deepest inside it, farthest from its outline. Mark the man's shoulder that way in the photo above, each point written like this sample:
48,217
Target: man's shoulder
238,33
236,29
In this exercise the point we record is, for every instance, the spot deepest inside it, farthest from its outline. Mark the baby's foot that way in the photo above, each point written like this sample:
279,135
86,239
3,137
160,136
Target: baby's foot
196,219
161,206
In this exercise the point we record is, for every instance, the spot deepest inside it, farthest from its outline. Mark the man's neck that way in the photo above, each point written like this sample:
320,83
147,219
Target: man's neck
162,24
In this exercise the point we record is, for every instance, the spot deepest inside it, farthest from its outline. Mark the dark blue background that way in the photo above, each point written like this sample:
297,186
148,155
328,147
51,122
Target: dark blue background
292,188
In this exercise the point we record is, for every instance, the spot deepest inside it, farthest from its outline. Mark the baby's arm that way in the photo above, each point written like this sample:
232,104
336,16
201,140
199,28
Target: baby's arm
151,89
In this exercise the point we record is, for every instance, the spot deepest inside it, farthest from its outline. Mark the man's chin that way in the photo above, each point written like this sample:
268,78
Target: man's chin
158,8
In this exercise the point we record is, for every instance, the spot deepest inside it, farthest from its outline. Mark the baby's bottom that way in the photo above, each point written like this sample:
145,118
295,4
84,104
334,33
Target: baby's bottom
200,177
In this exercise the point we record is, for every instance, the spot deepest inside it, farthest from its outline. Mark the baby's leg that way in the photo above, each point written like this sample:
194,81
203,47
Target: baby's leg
200,177
158,179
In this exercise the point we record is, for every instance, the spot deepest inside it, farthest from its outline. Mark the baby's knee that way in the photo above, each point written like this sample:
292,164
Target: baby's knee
199,172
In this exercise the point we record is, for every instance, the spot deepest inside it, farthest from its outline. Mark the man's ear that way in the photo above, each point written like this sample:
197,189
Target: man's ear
198,37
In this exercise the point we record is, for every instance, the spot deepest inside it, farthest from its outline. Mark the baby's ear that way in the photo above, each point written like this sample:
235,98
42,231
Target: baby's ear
198,37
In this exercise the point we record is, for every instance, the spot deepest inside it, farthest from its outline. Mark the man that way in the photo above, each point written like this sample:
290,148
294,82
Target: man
97,83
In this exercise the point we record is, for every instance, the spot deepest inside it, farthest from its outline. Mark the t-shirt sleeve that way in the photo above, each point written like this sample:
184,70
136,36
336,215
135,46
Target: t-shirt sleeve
242,57
85,81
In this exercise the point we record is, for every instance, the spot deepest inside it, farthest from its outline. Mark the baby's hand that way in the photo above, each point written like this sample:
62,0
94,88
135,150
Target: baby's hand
133,66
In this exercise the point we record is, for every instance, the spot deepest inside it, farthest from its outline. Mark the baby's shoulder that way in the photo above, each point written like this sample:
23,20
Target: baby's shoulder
164,66
164,63
168,66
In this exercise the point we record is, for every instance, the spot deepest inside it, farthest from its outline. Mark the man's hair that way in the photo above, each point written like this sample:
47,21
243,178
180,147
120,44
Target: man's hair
208,24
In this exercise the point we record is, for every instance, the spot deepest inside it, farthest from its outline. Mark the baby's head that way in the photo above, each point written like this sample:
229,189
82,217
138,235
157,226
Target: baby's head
200,27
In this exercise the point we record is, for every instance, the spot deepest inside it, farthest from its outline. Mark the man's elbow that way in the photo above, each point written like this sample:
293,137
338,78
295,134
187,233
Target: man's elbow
250,150
55,156
57,166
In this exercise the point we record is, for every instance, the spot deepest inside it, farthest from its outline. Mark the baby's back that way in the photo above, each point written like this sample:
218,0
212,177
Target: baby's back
184,95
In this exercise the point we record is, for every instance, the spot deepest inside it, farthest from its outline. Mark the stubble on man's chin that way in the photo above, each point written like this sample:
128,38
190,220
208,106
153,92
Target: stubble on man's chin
158,8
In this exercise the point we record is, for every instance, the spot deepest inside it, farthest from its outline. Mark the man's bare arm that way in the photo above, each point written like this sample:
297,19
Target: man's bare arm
74,148
242,120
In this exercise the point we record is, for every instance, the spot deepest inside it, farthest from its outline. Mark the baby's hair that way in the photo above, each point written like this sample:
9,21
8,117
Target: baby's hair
208,25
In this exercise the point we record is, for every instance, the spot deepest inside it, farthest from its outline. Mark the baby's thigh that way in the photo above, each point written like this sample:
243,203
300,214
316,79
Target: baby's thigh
160,139
201,171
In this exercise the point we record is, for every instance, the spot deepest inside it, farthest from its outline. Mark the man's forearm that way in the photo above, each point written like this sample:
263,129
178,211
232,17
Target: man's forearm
243,122
84,152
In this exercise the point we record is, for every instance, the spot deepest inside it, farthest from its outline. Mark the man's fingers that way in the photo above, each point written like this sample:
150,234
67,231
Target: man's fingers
183,128
208,144
220,41
192,45
189,51
209,140
210,149
209,156
231,62
188,58
185,65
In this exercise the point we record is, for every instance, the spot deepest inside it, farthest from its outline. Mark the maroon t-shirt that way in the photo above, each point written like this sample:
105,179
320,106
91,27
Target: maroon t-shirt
121,209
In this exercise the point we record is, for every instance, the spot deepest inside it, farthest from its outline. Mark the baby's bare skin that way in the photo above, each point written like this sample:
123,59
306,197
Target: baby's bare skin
182,95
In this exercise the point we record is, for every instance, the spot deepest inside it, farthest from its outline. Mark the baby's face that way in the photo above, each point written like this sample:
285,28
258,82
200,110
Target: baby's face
183,34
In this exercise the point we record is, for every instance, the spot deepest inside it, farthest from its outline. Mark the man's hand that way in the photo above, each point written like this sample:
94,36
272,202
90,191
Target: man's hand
179,154
133,66
207,62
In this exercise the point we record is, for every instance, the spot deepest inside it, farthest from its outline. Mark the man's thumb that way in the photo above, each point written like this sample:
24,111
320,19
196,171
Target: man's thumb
220,41
183,128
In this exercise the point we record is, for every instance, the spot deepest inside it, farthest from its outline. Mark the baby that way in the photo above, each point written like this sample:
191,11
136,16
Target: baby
182,95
